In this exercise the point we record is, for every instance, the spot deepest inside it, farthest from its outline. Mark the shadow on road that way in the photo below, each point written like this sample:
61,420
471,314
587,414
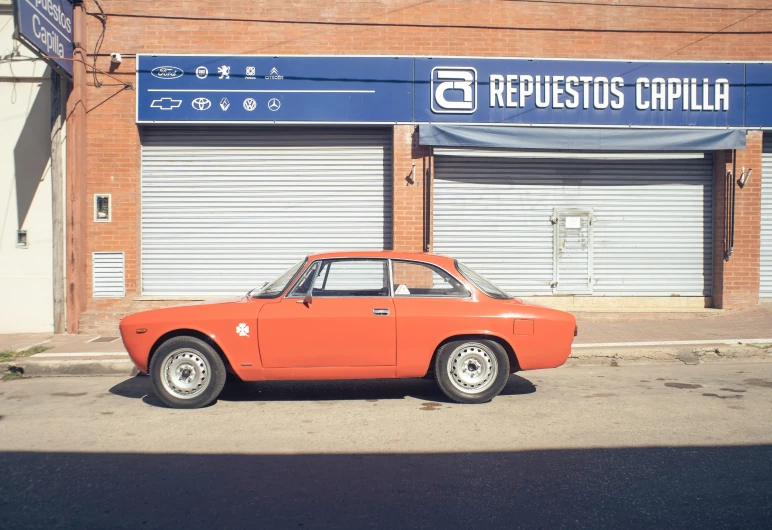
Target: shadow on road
652,487
235,390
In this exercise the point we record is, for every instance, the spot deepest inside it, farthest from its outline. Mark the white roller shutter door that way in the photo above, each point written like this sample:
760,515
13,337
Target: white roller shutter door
651,222
227,208
766,217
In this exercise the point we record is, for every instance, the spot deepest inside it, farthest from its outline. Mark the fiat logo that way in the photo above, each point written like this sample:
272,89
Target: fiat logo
201,103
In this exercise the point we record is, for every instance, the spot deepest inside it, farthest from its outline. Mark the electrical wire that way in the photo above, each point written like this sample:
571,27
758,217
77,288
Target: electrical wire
428,25
102,18
642,6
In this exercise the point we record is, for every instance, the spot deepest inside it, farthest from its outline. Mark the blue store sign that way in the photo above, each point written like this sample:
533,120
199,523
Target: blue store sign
178,88
46,27
523,91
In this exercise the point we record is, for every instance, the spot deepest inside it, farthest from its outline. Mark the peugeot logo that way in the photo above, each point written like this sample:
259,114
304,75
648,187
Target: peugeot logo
201,103
274,104
250,104
166,72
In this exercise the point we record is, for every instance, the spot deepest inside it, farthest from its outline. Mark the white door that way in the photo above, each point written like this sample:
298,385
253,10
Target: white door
572,252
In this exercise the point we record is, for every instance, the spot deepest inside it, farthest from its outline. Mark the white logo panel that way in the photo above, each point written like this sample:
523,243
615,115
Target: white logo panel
454,90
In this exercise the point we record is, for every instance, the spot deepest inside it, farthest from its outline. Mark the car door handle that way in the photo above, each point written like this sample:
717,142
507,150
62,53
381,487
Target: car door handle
381,312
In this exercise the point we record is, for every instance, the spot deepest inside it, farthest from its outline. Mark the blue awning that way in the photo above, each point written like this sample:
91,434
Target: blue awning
584,139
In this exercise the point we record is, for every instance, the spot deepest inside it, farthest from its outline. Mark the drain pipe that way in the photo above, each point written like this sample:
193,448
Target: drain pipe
731,189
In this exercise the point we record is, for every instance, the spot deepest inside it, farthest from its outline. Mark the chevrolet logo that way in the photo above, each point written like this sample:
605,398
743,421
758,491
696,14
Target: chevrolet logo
166,103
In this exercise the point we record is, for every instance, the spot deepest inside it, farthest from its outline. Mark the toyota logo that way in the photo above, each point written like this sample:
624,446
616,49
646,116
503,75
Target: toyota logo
274,104
250,104
201,103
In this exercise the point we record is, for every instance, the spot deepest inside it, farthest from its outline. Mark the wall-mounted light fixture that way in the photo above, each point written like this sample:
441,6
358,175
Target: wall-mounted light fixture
411,177
744,176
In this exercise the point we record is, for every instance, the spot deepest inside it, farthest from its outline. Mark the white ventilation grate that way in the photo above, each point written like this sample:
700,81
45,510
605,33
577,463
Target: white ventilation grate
109,274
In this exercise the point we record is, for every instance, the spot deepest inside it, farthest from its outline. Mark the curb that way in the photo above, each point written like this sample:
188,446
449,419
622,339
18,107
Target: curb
690,355
28,367
609,356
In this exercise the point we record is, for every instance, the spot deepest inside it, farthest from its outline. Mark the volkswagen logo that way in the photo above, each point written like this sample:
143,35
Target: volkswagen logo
274,104
250,104
201,103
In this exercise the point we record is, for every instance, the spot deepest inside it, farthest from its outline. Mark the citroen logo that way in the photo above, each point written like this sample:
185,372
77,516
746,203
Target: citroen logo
201,103
274,104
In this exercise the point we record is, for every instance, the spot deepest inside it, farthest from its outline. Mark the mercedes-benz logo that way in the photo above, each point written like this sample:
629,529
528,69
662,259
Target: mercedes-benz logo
274,104
201,103
250,104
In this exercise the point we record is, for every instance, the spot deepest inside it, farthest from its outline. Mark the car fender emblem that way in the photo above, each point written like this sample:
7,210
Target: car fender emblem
242,330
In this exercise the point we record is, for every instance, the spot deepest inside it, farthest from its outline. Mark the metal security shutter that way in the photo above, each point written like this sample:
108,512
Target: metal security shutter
651,227
226,208
108,273
766,217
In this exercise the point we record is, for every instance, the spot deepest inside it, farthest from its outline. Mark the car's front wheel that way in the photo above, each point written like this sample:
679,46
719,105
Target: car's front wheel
187,373
471,371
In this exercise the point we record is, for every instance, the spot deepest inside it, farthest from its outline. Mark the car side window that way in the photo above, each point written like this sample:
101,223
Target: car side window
413,279
301,288
345,278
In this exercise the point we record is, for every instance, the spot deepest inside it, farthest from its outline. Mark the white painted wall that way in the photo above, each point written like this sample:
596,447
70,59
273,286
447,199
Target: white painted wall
26,275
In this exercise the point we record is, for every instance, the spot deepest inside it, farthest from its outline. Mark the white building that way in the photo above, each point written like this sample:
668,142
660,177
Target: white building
27,261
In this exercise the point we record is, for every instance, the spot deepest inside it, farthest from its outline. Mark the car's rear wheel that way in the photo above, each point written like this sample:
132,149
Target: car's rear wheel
471,371
187,373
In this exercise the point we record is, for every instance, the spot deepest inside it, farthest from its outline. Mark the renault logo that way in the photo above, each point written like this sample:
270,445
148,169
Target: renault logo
201,103
454,90
274,104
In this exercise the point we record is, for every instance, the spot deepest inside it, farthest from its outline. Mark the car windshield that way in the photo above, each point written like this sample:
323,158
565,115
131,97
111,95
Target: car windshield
276,287
481,283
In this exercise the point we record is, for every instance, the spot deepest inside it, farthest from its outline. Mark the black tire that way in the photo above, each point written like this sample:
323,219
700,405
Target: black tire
472,353
195,361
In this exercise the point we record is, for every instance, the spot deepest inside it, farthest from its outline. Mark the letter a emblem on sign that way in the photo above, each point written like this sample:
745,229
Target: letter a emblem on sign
454,90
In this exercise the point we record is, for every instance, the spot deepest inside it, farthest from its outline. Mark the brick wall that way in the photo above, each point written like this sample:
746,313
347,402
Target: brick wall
736,282
486,28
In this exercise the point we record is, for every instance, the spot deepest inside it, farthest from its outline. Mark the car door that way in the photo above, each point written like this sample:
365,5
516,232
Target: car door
431,305
338,314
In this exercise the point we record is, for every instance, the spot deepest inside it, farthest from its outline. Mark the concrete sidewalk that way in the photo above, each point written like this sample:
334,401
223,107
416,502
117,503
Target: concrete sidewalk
604,338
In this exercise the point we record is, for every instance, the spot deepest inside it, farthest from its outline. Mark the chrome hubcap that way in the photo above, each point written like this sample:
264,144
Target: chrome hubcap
185,373
472,368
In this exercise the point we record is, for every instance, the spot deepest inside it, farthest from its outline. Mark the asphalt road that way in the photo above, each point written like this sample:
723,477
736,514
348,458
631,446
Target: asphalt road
657,446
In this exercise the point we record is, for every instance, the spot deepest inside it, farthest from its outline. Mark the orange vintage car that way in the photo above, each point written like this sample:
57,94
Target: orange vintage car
351,315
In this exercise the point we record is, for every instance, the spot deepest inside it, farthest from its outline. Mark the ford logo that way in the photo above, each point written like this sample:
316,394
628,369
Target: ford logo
166,72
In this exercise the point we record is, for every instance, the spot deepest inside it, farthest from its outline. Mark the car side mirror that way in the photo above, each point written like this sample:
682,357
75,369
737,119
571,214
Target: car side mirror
308,298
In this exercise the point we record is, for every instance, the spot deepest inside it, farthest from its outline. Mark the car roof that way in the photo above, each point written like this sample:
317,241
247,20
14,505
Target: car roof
386,254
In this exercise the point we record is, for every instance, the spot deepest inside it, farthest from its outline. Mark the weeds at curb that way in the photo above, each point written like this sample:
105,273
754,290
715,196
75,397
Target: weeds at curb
9,355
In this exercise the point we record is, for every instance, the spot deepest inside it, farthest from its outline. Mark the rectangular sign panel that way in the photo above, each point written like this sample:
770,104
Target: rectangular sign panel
183,88
524,91
46,26
758,95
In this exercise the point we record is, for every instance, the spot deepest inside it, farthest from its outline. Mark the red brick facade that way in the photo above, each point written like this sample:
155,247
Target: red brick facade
421,28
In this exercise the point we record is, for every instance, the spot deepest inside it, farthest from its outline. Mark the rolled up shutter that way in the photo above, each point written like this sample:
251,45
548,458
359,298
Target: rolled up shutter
226,208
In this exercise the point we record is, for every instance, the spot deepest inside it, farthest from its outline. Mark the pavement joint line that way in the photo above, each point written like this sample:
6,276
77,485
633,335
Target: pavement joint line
25,348
83,354
672,343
